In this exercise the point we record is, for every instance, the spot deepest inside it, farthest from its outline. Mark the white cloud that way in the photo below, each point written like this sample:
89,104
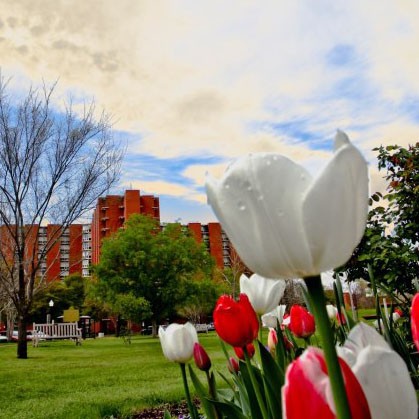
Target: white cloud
191,78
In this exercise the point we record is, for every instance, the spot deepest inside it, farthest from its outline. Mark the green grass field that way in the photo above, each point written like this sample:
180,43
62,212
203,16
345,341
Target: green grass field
100,378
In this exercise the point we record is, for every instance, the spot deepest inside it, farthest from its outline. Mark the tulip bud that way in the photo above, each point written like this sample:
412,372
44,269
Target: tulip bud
233,366
201,358
287,343
235,321
415,320
307,377
272,340
302,322
340,317
250,348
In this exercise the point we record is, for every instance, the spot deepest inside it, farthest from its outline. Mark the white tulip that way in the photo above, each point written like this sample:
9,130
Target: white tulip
274,317
264,293
332,311
382,373
282,222
177,341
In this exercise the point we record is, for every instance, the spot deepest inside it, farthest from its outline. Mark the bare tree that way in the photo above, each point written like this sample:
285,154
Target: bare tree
53,167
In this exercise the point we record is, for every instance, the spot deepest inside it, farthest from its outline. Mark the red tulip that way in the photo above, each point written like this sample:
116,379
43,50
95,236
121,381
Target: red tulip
201,358
235,321
307,391
415,320
233,366
250,348
302,322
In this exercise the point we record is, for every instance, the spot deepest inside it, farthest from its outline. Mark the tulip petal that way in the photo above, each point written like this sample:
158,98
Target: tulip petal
381,372
335,207
177,341
385,379
307,391
415,320
258,202
264,293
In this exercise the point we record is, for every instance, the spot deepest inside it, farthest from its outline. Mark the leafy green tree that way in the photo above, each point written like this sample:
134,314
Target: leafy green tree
390,245
146,261
70,292
202,294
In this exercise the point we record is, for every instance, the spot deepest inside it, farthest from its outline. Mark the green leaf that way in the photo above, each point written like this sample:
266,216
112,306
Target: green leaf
229,410
202,393
253,402
274,380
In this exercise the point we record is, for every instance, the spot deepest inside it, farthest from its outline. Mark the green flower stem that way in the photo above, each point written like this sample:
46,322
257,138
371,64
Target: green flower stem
255,384
318,302
191,406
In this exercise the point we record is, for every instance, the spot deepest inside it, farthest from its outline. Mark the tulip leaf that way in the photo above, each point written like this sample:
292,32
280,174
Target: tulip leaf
253,401
167,415
200,389
229,410
274,380
280,351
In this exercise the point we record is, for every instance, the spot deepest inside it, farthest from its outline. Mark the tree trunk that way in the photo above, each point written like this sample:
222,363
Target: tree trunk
22,344
154,328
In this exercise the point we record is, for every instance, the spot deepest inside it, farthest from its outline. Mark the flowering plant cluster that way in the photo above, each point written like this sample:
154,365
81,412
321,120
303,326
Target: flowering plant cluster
285,224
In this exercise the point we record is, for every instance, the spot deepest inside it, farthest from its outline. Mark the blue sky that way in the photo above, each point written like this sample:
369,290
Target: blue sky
192,85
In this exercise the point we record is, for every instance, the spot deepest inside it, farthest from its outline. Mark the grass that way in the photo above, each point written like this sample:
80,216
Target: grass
101,378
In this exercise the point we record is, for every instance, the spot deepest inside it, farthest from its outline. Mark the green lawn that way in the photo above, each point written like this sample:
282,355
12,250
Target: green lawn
100,378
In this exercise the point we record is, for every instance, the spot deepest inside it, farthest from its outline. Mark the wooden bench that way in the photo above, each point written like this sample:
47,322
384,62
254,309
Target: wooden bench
49,331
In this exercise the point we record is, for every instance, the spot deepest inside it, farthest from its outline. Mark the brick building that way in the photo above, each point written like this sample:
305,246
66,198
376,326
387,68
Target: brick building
79,246
112,211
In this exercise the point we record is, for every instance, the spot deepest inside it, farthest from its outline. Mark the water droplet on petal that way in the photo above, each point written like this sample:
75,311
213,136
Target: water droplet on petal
241,206
227,186
260,198
275,158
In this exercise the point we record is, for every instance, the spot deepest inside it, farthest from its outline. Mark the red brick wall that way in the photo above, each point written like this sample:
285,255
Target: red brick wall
76,248
216,243
53,256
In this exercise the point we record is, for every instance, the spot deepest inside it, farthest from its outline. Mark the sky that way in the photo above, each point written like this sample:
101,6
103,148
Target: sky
193,85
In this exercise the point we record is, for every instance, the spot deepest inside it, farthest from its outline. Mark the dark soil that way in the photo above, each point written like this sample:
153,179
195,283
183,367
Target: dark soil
178,410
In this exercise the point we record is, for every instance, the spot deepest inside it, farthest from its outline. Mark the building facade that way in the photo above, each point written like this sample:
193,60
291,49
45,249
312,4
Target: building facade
79,246
112,211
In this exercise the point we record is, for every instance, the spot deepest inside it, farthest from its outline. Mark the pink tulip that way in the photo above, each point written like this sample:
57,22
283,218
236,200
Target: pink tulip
307,391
